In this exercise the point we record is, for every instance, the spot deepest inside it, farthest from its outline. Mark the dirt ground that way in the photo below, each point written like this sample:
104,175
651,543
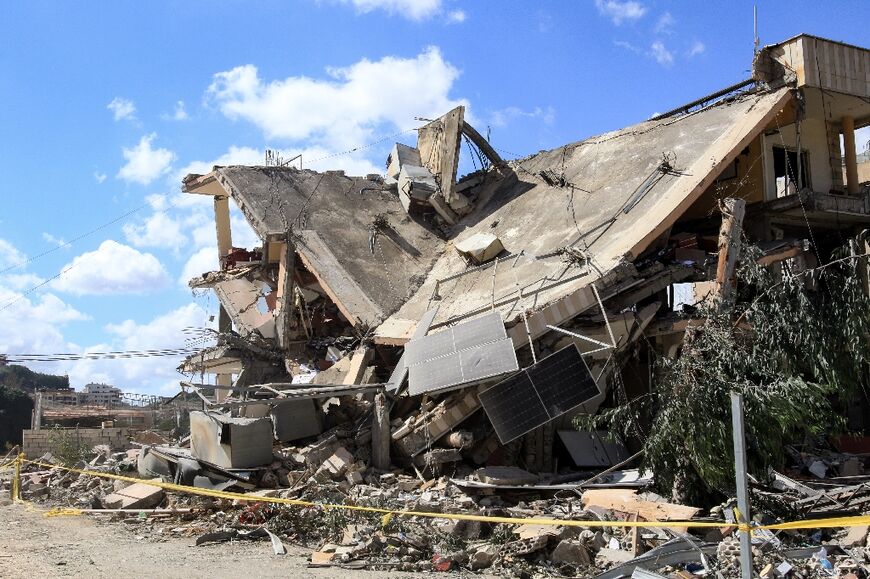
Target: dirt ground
32,545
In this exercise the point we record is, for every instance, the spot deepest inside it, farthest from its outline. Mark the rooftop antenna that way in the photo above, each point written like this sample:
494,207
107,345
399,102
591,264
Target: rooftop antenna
755,27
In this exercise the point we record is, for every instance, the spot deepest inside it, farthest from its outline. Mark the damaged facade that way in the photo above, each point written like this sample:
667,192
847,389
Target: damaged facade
432,319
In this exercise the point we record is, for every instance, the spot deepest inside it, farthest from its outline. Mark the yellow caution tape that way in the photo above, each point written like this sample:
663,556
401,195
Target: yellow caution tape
62,512
387,514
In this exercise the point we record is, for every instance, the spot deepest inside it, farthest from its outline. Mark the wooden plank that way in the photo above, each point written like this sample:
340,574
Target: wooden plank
626,501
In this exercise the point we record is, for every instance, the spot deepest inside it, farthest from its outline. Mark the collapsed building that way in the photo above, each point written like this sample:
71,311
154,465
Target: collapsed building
436,318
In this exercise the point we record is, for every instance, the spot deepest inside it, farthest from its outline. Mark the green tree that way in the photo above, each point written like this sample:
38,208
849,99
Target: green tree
25,379
15,414
795,346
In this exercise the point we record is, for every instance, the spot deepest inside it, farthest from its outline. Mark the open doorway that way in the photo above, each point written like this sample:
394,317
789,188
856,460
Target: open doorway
789,177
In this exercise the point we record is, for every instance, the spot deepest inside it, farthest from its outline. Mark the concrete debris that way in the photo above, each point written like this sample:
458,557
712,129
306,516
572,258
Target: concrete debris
480,247
134,496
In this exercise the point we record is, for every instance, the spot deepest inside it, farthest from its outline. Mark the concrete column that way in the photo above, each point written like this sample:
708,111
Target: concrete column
850,155
224,245
37,413
222,380
381,433
222,225
733,211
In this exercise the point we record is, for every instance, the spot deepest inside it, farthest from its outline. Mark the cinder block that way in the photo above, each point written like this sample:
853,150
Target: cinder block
135,496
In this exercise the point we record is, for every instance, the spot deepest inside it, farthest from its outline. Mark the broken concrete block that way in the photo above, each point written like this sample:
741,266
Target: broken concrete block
355,477
610,557
851,467
483,557
819,469
402,155
480,247
526,546
295,419
571,553
505,475
532,531
321,558
230,442
337,464
417,184
856,536
135,496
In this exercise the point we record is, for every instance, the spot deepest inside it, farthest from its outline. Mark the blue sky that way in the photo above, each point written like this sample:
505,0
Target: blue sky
106,105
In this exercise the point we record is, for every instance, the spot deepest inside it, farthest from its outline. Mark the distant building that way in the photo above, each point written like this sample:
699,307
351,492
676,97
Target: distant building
65,396
96,394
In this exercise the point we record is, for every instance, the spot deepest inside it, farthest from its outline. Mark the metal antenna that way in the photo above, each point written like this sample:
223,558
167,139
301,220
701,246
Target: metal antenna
755,27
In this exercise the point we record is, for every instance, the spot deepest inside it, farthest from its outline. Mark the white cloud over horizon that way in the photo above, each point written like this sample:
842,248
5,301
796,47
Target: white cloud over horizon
154,375
113,268
144,163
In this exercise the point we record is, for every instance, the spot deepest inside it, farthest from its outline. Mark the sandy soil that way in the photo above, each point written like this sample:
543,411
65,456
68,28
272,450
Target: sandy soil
32,545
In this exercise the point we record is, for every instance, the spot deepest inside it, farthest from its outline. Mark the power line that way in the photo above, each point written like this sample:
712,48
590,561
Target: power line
113,355
73,240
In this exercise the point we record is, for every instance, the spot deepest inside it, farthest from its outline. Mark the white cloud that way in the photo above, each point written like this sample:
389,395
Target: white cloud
122,109
145,164
30,324
99,177
178,114
665,24
456,16
660,52
33,325
113,268
59,241
410,9
10,256
627,46
342,111
202,261
157,230
503,117
696,48
619,12
21,281
156,375
234,156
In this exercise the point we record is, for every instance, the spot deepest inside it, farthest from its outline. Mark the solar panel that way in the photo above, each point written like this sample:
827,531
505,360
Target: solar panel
544,391
400,372
464,354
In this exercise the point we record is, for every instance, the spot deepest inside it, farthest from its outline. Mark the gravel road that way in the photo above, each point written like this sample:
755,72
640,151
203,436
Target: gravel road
32,545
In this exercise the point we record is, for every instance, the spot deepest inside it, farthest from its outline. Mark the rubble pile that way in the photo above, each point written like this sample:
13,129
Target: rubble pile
326,473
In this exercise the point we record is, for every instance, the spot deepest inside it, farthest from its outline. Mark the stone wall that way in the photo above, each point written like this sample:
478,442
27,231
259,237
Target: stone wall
38,442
